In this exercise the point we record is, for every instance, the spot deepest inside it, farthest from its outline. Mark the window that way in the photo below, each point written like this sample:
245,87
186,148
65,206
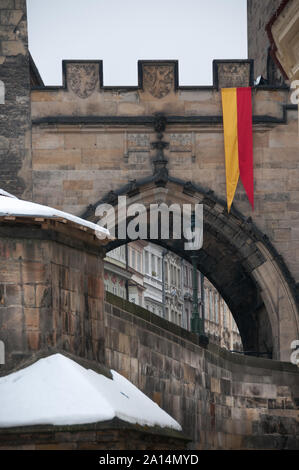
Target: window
133,259
187,317
153,265
216,309
166,271
2,92
225,316
179,278
159,268
206,305
146,262
186,276
211,306
123,253
138,262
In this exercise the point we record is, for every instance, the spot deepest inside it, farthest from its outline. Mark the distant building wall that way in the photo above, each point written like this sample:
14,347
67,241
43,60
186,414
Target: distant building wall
178,281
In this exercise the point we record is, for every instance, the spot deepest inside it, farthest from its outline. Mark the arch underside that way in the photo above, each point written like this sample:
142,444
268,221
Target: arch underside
236,258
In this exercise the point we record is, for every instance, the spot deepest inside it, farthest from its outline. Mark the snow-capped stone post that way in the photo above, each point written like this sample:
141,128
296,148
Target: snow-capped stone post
51,283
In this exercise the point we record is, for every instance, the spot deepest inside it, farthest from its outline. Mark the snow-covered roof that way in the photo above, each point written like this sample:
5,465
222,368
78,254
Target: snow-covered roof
57,390
5,193
12,206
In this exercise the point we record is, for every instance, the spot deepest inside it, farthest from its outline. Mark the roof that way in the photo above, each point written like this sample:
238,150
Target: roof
57,390
10,206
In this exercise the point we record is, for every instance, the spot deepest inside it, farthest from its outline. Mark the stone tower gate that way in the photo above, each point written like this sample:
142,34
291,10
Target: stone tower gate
83,142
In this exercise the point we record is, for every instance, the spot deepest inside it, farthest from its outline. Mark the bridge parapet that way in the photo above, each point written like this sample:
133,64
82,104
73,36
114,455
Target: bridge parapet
222,400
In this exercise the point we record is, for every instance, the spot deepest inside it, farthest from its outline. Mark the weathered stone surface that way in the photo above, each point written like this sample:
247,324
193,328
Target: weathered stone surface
232,397
259,15
158,80
55,302
15,125
82,78
231,74
113,435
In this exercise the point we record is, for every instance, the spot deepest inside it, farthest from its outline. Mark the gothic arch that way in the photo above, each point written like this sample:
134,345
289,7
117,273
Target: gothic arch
236,257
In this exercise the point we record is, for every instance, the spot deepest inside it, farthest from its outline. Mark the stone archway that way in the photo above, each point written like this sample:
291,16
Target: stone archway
237,258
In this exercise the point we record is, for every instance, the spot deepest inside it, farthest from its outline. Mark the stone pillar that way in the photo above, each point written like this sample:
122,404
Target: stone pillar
15,121
51,293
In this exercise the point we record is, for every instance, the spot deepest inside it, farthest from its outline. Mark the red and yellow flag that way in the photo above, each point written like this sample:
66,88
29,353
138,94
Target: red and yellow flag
237,125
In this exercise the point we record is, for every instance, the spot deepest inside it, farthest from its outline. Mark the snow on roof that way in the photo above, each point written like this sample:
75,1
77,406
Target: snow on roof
58,391
11,206
5,193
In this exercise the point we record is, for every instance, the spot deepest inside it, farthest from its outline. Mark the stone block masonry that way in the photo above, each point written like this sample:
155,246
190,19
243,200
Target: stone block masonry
15,121
259,14
222,400
109,435
52,300
51,294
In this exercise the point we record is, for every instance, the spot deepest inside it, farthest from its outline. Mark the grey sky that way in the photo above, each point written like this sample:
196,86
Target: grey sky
122,31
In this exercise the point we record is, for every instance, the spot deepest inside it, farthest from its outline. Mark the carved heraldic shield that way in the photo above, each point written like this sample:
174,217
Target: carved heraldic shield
83,78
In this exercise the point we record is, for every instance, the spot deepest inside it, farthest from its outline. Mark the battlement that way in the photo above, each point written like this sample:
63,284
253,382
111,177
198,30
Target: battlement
85,76
83,98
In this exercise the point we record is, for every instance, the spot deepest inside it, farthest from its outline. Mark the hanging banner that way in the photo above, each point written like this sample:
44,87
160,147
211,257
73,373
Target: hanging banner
237,126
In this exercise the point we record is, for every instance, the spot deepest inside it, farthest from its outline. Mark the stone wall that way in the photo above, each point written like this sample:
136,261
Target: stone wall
51,293
109,435
15,122
259,14
51,299
84,147
222,400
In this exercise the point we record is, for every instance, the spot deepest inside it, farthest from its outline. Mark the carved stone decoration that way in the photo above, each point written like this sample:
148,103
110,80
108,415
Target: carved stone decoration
233,74
138,141
189,188
180,142
82,78
133,188
158,80
138,158
111,198
160,161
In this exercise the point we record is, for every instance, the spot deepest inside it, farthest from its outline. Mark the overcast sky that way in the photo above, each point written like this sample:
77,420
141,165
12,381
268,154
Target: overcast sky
122,31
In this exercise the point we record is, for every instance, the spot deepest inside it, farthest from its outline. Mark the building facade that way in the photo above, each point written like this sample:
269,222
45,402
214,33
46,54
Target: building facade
162,282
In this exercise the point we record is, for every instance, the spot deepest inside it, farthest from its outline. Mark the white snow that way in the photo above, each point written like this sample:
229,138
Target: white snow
56,390
11,206
5,193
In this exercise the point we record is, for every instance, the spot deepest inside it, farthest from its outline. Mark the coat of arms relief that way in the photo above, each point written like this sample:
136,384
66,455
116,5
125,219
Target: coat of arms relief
158,80
82,78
